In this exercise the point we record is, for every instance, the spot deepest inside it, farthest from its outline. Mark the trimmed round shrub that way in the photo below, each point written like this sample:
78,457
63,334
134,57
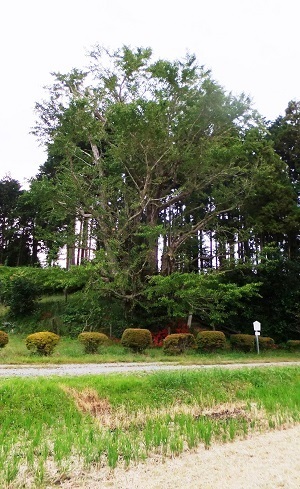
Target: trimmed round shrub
92,340
42,343
266,343
211,340
242,342
3,339
293,345
177,343
137,339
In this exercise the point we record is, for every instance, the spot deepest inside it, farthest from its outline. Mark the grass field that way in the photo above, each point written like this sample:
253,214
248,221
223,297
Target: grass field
51,426
71,351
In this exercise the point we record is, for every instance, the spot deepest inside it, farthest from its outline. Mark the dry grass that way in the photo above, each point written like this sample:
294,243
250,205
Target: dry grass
88,401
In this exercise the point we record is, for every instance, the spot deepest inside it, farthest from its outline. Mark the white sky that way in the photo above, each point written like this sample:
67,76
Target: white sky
252,46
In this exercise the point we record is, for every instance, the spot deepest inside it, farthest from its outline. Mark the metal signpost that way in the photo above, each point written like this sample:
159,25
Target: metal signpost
257,328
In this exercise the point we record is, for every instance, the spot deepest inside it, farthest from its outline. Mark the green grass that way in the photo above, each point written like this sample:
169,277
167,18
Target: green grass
71,351
51,426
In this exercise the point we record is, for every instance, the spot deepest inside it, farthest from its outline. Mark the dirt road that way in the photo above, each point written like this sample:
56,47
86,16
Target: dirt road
266,461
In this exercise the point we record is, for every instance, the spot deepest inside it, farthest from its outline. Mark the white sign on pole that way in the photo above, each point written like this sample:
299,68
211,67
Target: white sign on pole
256,326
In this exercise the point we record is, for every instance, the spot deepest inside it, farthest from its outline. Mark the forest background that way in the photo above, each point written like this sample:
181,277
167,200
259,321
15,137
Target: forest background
170,197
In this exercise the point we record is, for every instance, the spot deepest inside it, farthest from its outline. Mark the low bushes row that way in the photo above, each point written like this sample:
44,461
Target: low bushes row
211,341
246,342
293,345
139,339
44,342
178,343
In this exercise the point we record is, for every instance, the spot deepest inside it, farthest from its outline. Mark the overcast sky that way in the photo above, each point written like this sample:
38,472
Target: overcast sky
251,46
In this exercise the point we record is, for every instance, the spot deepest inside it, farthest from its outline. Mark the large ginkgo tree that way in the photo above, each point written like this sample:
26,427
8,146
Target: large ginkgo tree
148,153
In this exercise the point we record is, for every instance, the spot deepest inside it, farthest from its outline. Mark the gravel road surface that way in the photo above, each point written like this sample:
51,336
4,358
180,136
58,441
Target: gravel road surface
110,368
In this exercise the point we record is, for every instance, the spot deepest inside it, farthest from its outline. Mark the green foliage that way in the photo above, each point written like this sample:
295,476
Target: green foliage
279,307
50,280
293,345
266,343
137,339
285,133
178,343
21,294
17,240
276,307
207,295
131,161
3,339
87,307
211,340
42,343
92,340
242,342
127,147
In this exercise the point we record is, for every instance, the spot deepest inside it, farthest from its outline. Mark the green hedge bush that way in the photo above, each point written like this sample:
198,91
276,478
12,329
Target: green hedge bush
242,342
137,339
3,339
42,343
266,343
211,340
293,345
175,344
20,293
92,341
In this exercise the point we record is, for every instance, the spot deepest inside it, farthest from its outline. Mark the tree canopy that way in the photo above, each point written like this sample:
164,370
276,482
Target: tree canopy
159,175
151,155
